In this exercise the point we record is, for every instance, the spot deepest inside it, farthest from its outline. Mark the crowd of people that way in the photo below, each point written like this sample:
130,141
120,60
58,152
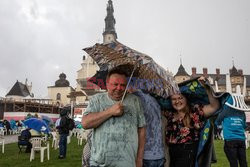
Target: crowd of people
139,132
10,125
62,127
131,132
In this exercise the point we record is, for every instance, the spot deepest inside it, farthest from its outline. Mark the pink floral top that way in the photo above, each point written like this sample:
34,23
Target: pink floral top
177,133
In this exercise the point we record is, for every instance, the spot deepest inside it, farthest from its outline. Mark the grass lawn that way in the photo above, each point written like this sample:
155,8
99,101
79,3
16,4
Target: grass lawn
11,158
221,157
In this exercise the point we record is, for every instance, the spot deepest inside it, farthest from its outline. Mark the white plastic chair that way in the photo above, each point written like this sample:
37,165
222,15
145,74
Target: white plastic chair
55,141
74,132
77,131
2,143
19,130
82,134
69,137
13,131
247,140
37,146
3,131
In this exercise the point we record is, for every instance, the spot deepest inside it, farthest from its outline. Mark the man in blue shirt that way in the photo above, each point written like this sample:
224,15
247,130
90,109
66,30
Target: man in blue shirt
154,154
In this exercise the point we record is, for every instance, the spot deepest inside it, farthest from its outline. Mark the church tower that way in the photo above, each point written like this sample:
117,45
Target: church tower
109,34
88,66
181,74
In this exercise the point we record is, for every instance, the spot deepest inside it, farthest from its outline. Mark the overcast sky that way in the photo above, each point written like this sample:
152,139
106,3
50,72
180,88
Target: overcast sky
39,39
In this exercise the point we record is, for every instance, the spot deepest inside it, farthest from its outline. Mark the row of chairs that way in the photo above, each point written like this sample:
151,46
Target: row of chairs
56,136
41,143
3,131
36,144
16,131
81,135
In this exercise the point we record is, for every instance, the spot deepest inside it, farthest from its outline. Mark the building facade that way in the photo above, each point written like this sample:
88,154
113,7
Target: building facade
220,82
58,93
88,69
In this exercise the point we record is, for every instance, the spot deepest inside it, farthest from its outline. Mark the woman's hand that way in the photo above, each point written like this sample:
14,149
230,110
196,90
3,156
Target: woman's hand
203,81
213,102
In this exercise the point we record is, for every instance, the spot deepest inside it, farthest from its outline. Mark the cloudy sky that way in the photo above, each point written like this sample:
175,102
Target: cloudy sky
39,39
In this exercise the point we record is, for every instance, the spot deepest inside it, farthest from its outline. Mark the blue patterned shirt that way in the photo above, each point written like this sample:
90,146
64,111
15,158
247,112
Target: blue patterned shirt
154,147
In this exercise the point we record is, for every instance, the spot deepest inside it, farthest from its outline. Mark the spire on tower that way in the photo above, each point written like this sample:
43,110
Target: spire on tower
109,34
180,59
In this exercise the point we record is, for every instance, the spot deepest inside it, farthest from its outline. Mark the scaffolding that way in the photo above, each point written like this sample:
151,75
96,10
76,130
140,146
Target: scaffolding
28,105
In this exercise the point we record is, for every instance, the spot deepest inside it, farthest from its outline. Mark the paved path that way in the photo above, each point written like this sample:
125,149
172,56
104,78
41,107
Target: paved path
10,139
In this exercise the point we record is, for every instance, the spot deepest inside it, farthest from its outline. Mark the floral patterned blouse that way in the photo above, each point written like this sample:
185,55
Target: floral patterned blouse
177,133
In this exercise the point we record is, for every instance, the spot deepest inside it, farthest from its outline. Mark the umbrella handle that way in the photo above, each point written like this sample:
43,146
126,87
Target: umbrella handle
125,92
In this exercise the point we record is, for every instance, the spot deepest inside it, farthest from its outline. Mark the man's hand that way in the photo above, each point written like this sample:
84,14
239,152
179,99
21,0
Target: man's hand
93,120
117,109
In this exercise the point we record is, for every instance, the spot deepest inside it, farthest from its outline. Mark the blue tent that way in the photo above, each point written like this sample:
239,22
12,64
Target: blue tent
37,124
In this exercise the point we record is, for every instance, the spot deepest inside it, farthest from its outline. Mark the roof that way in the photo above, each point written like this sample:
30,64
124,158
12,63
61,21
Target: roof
19,89
221,79
181,71
91,92
234,72
62,82
76,93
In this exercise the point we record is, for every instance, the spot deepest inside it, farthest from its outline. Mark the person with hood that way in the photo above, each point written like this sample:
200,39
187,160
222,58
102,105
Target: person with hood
63,130
23,140
233,121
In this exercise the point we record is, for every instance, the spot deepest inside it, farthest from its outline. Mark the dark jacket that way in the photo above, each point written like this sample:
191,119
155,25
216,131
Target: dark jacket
63,128
23,139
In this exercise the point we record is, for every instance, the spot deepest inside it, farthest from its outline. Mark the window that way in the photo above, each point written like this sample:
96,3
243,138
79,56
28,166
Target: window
58,96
